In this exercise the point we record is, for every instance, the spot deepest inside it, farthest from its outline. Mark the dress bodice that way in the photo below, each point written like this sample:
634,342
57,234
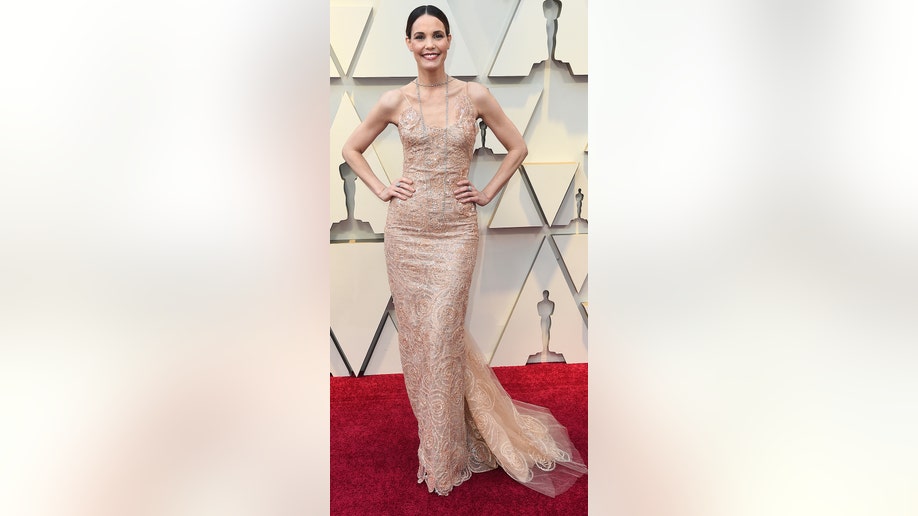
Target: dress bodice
426,146
436,159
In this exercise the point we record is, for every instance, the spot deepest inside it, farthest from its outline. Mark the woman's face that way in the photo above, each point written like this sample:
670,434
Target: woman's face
428,42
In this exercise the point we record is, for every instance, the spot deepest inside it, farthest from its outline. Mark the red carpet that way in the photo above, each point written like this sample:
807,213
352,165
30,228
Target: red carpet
374,448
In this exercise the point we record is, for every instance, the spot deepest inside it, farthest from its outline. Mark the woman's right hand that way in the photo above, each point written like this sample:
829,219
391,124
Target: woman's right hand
401,189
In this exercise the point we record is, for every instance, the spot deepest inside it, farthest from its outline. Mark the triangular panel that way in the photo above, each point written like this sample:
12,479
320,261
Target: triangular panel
385,359
503,264
571,46
386,55
359,296
332,69
525,44
519,108
515,208
574,253
550,181
568,210
347,23
367,206
523,335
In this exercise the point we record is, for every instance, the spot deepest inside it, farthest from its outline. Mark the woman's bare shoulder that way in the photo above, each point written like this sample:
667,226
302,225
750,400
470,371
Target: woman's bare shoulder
391,100
481,98
389,106
477,91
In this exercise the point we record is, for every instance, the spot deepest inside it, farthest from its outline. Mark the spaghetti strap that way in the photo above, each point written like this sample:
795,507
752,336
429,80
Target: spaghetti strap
406,98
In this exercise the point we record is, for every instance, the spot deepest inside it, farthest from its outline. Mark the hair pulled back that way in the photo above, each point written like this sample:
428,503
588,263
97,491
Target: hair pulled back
421,11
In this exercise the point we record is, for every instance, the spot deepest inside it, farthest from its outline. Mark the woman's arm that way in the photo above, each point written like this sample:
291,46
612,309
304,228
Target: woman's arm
383,113
501,127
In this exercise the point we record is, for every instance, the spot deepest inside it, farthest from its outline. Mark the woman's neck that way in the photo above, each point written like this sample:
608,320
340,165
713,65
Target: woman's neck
427,78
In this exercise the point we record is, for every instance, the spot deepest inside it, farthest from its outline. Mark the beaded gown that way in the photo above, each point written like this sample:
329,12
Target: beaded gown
466,421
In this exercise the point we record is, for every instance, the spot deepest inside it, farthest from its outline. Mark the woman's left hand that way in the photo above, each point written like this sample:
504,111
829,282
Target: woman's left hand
466,192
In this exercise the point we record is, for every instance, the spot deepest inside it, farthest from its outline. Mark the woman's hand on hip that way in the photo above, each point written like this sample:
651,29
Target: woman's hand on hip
466,192
401,189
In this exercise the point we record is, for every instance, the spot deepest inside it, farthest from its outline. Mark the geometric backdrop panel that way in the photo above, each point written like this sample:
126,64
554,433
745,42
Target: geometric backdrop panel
573,250
347,23
367,206
570,206
550,182
571,44
385,359
523,336
519,108
525,44
359,296
503,265
338,367
515,208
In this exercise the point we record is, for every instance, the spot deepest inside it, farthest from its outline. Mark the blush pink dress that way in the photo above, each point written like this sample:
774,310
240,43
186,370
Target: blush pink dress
466,421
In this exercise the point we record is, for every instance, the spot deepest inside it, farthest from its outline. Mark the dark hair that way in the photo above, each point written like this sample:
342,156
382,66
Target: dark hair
421,11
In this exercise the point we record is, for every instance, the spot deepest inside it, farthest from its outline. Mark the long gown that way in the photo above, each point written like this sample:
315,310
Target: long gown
466,421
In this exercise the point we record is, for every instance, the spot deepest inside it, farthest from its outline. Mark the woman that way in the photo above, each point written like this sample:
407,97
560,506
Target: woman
466,421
